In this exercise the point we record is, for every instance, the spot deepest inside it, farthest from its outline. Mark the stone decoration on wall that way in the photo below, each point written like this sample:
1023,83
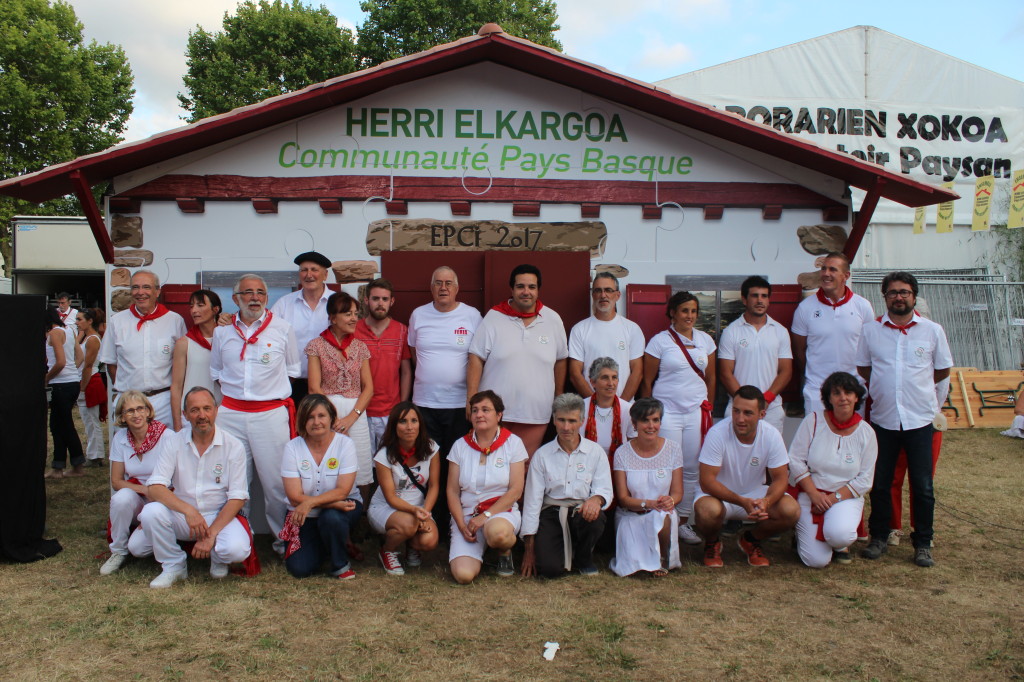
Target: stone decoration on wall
120,277
126,231
616,270
818,240
347,271
133,258
120,299
809,280
428,234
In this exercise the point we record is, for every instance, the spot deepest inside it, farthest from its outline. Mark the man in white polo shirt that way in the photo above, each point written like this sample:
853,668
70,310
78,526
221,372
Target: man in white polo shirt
198,486
519,352
306,311
139,344
755,351
253,358
606,334
826,328
737,453
903,357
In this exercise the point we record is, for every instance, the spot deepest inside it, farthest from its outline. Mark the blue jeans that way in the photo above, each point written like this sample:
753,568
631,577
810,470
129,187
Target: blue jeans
63,398
917,443
324,534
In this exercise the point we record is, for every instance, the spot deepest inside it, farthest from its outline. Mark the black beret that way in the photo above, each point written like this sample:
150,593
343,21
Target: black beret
313,257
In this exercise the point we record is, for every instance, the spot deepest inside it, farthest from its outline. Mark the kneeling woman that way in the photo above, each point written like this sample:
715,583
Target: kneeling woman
648,479
832,461
486,474
319,471
408,471
134,450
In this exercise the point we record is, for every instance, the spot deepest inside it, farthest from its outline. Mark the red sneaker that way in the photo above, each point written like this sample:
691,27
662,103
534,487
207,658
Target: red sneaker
347,575
755,555
713,555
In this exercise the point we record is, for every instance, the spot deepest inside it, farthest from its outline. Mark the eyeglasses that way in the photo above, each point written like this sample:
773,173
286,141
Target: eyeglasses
603,290
250,293
902,293
141,409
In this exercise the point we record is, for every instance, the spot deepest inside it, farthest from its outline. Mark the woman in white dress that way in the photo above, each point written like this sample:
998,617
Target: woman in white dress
92,398
190,364
486,475
832,462
648,480
408,477
63,358
679,370
134,450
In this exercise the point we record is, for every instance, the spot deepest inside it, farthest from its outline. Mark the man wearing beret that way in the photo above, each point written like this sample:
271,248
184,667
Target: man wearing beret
306,310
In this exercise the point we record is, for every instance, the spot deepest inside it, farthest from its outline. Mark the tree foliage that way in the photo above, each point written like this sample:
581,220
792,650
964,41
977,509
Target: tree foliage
394,28
59,98
265,49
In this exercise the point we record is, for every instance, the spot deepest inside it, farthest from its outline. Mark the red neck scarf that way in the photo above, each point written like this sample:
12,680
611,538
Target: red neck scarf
159,311
63,314
847,295
328,336
408,456
196,335
503,435
590,432
852,421
255,337
901,327
153,433
505,308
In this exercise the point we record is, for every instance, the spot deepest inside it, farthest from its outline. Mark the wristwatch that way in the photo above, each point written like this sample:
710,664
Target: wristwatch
359,413
487,514
838,495
643,505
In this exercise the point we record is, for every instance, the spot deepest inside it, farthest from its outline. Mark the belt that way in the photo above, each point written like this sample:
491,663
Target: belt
565,507
155,391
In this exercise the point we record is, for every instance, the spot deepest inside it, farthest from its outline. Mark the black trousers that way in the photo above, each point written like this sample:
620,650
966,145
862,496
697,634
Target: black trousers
445,426
917,444
63,398
549,543
300,388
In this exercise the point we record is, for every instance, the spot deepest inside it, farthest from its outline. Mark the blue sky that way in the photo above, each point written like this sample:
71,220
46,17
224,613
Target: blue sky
645,39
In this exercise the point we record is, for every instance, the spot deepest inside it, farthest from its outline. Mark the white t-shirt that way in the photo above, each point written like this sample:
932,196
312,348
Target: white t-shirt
142,356
832,336
404,487
142,469
604,416
318,479
678,387
442,343
519,362
620,339
756,352
743,466
479,482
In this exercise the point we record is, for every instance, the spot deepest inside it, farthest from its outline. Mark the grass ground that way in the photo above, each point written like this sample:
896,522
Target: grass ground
882,620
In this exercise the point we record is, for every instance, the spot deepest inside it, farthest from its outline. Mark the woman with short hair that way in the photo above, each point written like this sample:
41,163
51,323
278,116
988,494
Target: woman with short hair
605,415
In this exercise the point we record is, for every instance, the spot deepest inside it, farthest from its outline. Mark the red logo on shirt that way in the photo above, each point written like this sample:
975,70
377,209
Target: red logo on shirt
461,331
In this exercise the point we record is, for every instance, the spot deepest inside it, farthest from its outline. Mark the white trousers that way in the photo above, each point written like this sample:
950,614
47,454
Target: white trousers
377,427
264,435
839,529
359,432
162,528
685,430
125,505
93,431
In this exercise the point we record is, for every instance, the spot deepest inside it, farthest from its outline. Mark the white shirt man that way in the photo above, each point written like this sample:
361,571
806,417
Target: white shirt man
736,455
207,470
68,315
606,334
755,350
253,358
306,310
903,356
826,328
567,487
519,352
139,343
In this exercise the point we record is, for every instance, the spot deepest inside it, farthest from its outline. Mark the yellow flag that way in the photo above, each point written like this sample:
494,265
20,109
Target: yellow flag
944,217
919,220
982,203
1017,200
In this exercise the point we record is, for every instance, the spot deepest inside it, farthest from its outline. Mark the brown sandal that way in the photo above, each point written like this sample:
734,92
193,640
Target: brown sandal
659,573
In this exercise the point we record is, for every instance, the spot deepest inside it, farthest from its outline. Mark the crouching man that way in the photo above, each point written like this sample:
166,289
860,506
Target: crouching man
206,468
736,454
568,486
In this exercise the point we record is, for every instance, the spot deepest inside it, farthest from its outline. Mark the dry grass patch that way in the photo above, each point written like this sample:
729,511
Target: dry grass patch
870,620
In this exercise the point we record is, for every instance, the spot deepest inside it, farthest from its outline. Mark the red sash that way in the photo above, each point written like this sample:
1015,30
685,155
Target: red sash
503,435
96,394
290,535
706,419
255,337
251,566
263,406
590,431
196,335
819,519
159,311
505,308
847,295
481,507
328,336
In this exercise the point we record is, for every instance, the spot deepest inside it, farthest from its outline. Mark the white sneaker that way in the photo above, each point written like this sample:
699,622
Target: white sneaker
413,558
688,535
218,570
168,578
391,563
894,537
113,563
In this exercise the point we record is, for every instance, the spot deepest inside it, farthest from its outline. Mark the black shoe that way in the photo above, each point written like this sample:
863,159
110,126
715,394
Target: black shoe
876,548
923,557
